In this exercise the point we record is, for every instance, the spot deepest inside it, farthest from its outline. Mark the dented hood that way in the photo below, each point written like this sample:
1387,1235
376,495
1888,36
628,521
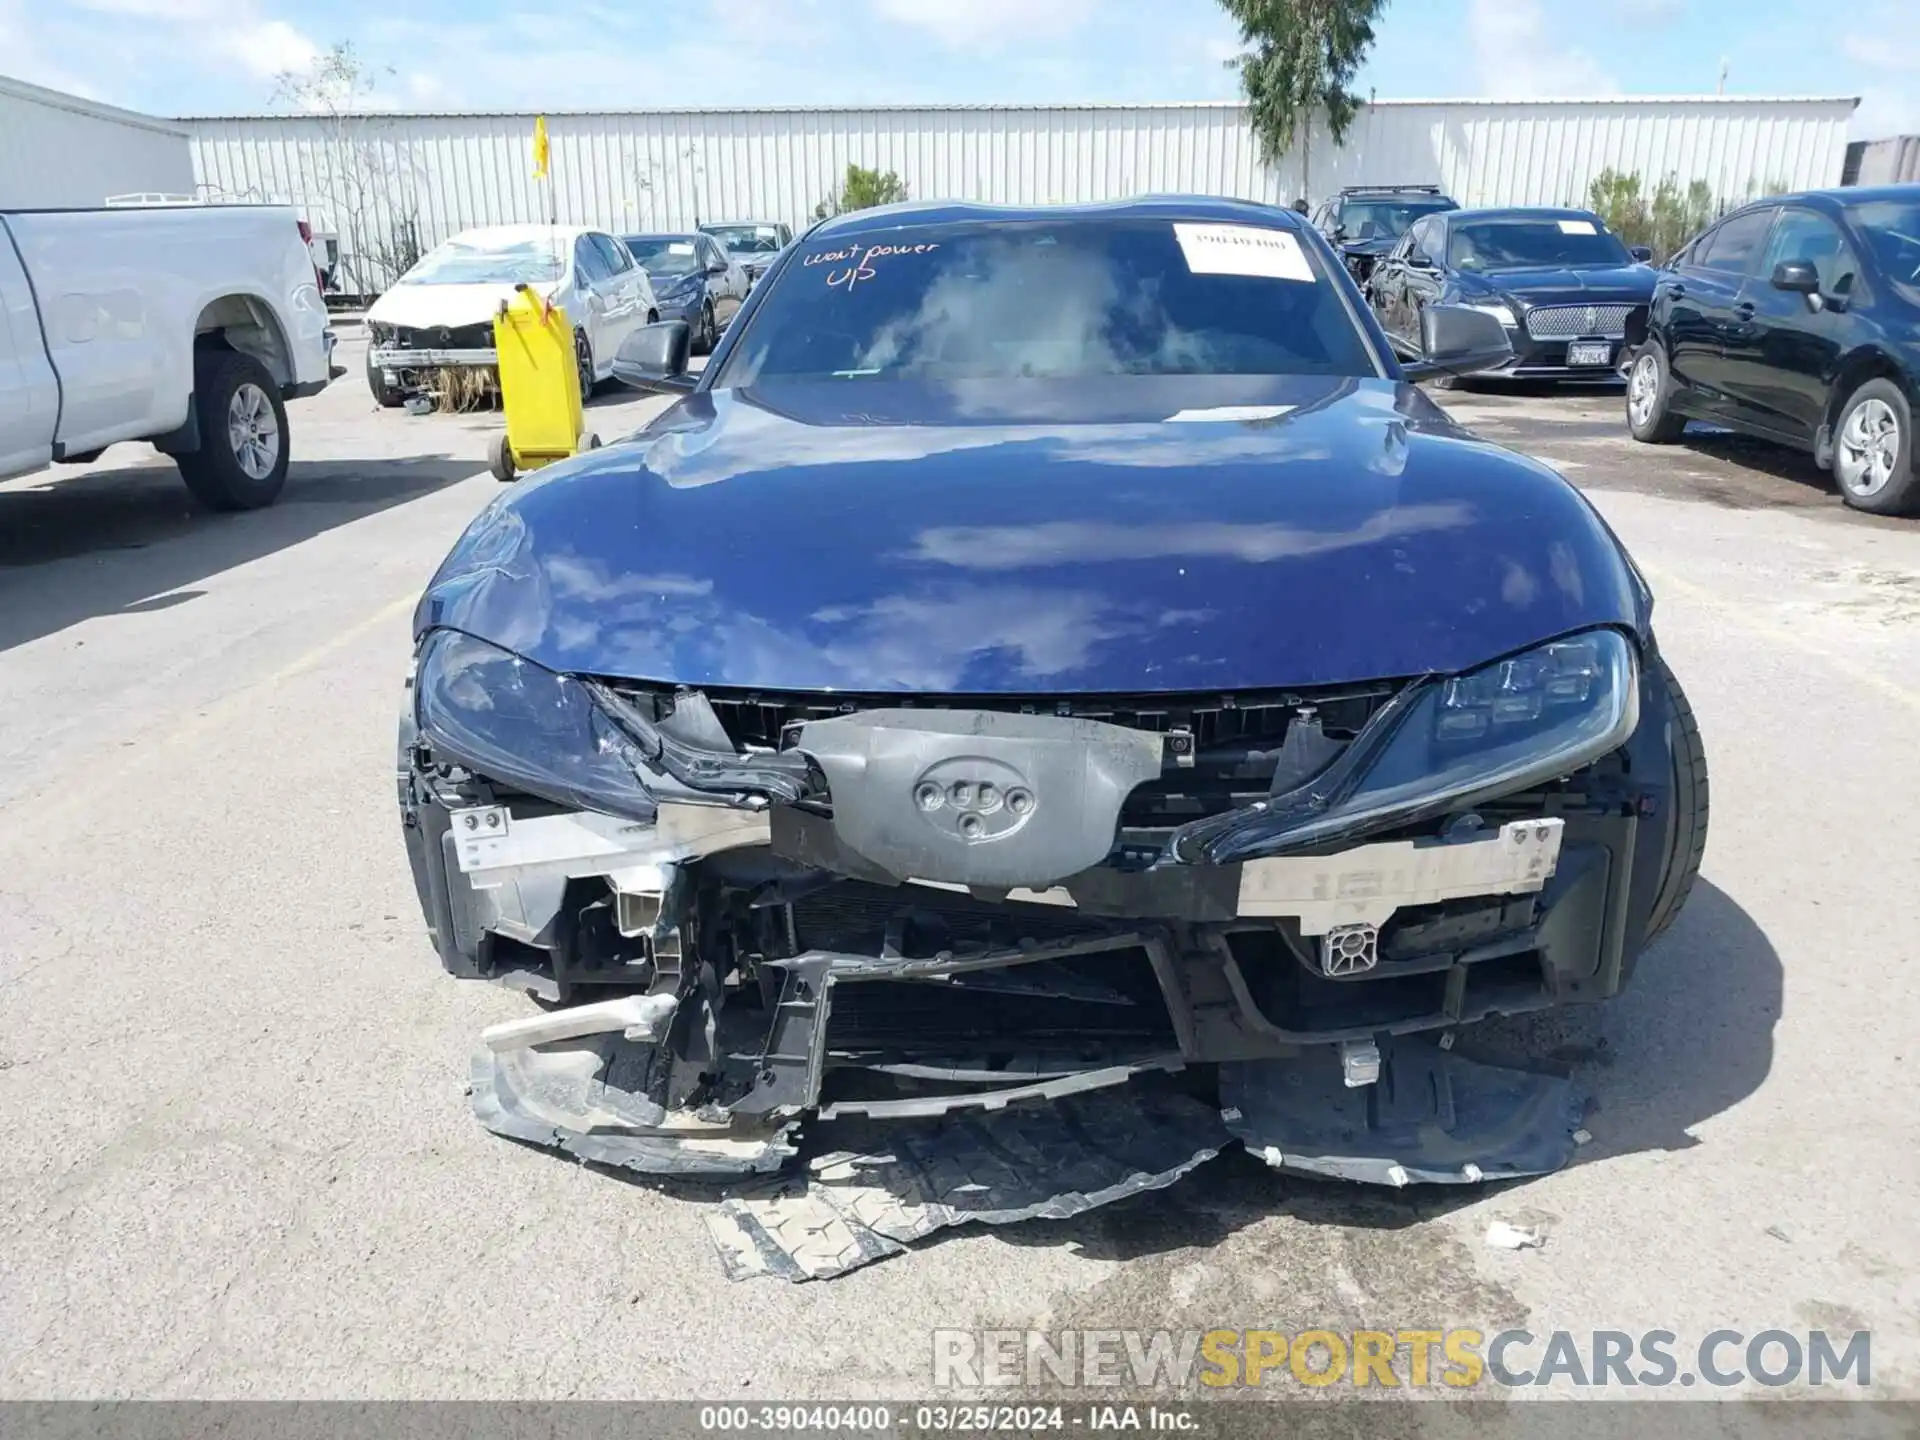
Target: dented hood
1135,534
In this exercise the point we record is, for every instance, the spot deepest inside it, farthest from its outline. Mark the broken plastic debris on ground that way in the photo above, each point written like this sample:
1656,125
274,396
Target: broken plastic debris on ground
867,1188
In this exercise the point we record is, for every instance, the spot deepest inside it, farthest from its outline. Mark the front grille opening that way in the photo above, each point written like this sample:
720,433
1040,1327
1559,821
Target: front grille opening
1090,1007
1237,737
918,922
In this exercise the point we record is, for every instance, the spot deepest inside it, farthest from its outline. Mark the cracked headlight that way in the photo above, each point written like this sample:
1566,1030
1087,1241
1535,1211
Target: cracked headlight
515,722
1508,726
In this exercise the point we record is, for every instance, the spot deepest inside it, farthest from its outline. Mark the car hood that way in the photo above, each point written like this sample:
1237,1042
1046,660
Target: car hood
415,306
1138,534
1538,285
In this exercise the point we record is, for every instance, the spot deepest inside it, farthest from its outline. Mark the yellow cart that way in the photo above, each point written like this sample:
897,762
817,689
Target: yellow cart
539,387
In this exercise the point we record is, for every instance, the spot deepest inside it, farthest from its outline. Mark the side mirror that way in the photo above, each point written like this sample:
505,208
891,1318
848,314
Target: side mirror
654,358
1420,260
718,267
1339,232
1456,340
1642,253
1799,276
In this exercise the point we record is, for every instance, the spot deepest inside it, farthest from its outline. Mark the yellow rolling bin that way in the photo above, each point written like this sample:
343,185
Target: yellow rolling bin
539,387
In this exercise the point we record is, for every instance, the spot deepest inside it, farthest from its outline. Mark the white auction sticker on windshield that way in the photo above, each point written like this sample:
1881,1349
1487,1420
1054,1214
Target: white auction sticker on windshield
680,247
1242,250
1577,227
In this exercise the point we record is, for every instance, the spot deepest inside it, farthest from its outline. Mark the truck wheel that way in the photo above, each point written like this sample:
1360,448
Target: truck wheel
1687,817
242,460
387,397
1873,451
1650,397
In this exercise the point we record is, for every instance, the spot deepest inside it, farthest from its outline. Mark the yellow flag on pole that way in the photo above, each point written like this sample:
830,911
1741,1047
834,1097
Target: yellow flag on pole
540,150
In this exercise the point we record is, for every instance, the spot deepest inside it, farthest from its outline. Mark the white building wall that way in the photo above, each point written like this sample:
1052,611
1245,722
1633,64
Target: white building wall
642,170
61,151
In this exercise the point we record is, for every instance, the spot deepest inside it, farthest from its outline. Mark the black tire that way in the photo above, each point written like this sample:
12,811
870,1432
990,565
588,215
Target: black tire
1687,816
583,362
1652,420
242,460
500,458
385,396
708,333
1878,476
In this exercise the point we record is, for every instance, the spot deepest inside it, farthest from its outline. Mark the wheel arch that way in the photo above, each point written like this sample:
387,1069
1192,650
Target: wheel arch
245,322
1867,362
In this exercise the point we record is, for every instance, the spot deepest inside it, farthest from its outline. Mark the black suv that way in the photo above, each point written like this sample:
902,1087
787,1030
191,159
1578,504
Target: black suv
1362,222
1796,319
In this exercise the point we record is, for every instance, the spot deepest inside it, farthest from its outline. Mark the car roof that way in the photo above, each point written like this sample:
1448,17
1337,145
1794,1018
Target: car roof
1844,196
732,224
1520,212
1143,207
665,235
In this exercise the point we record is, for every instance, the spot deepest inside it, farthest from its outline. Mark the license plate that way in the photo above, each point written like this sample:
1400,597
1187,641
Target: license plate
1591,352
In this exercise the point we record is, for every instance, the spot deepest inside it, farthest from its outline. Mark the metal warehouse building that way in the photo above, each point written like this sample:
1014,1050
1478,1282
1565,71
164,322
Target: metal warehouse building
59,150
426,176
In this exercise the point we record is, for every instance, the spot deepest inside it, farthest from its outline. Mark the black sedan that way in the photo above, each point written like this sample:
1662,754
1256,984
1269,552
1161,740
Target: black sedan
1571,295
694,280
1797,319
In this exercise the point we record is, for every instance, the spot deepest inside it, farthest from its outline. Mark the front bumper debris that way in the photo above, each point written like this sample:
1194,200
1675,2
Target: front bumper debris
914,1023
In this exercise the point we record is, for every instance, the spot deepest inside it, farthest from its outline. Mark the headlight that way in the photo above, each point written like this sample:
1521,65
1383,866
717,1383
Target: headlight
513,721
1502,313
1507,727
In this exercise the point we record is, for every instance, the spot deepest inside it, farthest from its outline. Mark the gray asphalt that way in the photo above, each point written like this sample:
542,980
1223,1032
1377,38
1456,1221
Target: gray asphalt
239,1160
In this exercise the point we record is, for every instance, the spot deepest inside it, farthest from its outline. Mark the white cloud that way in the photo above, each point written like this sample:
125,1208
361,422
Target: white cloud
267,48
1883,44
989,24
1517,60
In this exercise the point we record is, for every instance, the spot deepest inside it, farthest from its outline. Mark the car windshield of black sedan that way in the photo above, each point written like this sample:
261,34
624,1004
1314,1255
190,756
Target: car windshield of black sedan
1892,228
1512,244
664,254
1057,300
1383,219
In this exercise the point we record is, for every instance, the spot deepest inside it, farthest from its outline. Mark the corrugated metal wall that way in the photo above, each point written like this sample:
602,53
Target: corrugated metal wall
1895,161
58,150
639,170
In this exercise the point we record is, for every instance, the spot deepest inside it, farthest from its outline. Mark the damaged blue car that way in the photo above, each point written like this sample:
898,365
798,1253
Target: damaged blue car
1050,699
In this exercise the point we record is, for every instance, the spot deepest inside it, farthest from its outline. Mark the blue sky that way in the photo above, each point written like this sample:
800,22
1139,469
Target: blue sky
221,56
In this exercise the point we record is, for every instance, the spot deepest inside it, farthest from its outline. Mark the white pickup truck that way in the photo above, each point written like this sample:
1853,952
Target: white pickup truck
187,326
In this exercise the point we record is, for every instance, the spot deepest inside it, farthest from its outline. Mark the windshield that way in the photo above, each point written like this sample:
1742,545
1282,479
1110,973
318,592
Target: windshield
1516,243
1383,219
747,239
664,254
1892,228
987,301
482,262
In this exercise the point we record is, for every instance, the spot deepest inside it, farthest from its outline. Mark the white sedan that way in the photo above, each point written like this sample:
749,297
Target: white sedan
440,313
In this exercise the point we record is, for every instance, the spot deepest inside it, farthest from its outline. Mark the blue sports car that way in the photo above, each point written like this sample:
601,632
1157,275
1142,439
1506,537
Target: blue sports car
1054,685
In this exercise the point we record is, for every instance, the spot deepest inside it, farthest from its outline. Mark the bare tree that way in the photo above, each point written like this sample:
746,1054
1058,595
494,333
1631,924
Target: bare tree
369,189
